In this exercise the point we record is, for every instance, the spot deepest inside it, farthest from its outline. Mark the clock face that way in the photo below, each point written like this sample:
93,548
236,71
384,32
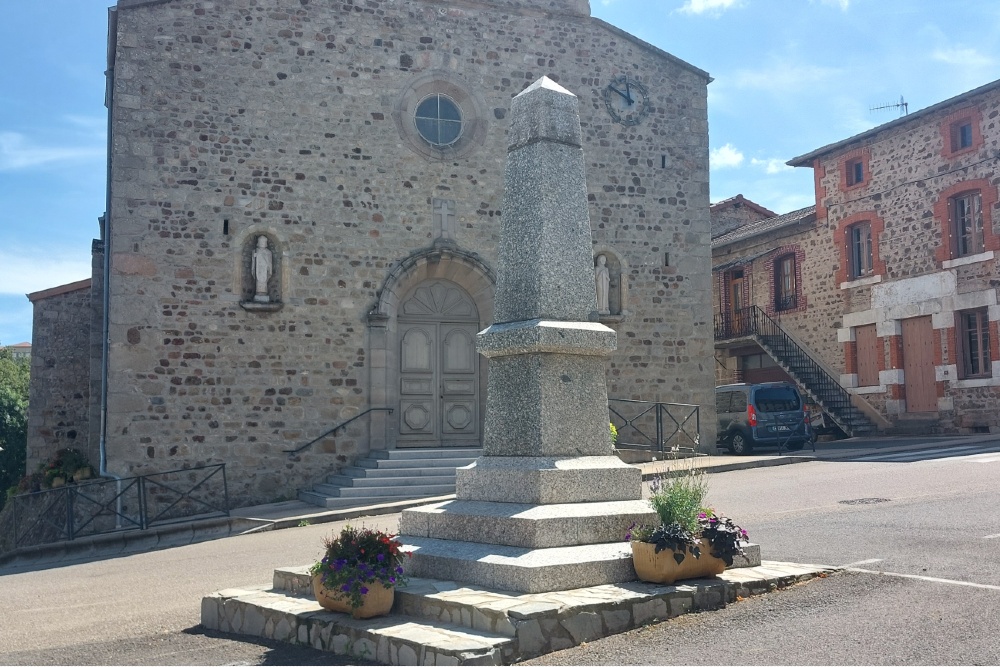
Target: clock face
626,100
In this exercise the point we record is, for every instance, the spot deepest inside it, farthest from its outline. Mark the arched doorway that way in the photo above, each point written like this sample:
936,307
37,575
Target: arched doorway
438,367
456,317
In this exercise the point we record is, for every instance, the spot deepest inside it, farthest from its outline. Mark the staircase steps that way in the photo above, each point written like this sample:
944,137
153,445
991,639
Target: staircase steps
391,476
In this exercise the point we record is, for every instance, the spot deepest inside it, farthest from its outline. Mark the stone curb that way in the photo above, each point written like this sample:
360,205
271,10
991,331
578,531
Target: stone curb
447,623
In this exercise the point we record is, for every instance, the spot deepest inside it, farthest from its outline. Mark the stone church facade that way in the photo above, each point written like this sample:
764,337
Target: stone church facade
362,145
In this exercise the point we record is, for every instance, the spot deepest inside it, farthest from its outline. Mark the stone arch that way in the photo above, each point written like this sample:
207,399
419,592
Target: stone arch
466,270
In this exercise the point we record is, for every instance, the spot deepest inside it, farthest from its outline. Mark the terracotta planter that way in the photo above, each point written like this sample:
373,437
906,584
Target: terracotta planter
661,568
377,602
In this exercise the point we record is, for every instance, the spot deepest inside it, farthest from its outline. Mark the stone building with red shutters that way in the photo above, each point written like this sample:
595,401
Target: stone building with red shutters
889,283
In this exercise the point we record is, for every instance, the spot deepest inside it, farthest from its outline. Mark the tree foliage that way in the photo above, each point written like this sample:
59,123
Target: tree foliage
14,379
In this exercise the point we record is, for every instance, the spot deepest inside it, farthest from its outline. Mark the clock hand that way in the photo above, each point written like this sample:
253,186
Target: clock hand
628,93
626,97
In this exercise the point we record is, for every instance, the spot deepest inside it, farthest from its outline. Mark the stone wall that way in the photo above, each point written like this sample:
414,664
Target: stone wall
60,367
246,118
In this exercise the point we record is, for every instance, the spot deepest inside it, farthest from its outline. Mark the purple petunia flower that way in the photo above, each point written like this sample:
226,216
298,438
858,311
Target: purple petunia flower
364,590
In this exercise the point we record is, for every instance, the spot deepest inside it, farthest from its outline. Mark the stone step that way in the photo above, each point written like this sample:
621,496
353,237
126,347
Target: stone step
409,491
395,639
348,481
391,464
421,453
445,622
337,503
389,473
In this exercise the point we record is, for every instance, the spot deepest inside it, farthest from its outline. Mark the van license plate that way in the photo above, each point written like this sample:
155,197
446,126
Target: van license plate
782,428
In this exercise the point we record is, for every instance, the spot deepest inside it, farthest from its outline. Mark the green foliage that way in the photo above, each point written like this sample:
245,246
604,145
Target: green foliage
14,379
614,434
684,520
357,558
679,499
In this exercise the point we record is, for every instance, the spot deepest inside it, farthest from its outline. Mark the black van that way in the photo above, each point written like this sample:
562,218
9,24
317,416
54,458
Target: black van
770,413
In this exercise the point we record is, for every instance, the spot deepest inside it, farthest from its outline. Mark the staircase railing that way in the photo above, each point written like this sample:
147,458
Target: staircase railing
754,323
292,452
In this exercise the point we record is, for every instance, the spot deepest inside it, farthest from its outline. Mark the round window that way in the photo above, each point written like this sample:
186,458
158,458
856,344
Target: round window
438,120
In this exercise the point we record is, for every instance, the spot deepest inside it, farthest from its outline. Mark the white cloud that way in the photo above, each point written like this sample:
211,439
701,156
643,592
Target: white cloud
784,77
843,4
17,152
33,270
710,6
725,157
965,57
771,165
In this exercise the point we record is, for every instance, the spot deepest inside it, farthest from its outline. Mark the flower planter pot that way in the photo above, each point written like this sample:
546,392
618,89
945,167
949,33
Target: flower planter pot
663,568
376,602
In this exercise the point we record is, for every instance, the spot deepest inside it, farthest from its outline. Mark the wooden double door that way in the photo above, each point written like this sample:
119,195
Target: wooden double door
438,368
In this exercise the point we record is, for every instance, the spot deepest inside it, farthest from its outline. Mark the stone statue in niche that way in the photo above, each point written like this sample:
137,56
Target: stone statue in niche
602,280
261,268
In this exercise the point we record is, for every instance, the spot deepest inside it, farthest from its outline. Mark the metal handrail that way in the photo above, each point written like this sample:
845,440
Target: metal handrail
334,429
658,413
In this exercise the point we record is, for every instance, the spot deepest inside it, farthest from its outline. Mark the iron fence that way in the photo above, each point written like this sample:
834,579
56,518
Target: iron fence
106,505
659,427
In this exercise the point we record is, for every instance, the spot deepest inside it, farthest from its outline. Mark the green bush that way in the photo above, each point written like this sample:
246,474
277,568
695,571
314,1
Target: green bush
679,499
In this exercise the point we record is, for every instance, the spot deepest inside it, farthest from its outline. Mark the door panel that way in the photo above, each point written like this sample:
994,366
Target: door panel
438,368
418,394
869,351
460,414
918,365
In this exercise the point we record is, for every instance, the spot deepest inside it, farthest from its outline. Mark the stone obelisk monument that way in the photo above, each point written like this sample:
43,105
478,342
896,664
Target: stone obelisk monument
548,504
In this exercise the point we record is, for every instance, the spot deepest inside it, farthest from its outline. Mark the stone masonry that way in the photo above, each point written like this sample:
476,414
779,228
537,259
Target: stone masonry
892,328
60,372
247,118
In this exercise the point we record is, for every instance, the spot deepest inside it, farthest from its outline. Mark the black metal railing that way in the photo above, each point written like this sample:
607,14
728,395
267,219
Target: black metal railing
827,392
786,302
659,427
292,452
104,506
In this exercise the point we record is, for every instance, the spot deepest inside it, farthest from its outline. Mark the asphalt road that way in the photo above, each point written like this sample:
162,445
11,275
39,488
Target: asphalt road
925,533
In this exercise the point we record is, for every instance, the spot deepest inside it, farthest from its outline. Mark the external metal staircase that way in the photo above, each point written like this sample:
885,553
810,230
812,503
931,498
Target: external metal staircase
392,476
754,324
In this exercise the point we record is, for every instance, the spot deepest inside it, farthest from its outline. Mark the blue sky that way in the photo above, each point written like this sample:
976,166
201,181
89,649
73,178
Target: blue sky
790,76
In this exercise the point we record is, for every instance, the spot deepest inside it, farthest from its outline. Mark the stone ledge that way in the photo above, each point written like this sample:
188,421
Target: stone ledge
534,336
443,622
526,525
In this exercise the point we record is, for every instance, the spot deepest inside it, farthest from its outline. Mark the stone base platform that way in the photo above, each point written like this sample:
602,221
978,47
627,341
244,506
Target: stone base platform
436,622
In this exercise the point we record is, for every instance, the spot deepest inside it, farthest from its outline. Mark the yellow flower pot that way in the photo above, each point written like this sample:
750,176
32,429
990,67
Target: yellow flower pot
663,568
376,602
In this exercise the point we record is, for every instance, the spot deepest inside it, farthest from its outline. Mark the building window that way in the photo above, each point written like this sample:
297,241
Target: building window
859,250
974,344
785,292
961,135
855,172
439,120
966,214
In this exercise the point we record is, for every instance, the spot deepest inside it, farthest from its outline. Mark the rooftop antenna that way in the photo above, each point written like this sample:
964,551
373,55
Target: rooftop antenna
902,105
